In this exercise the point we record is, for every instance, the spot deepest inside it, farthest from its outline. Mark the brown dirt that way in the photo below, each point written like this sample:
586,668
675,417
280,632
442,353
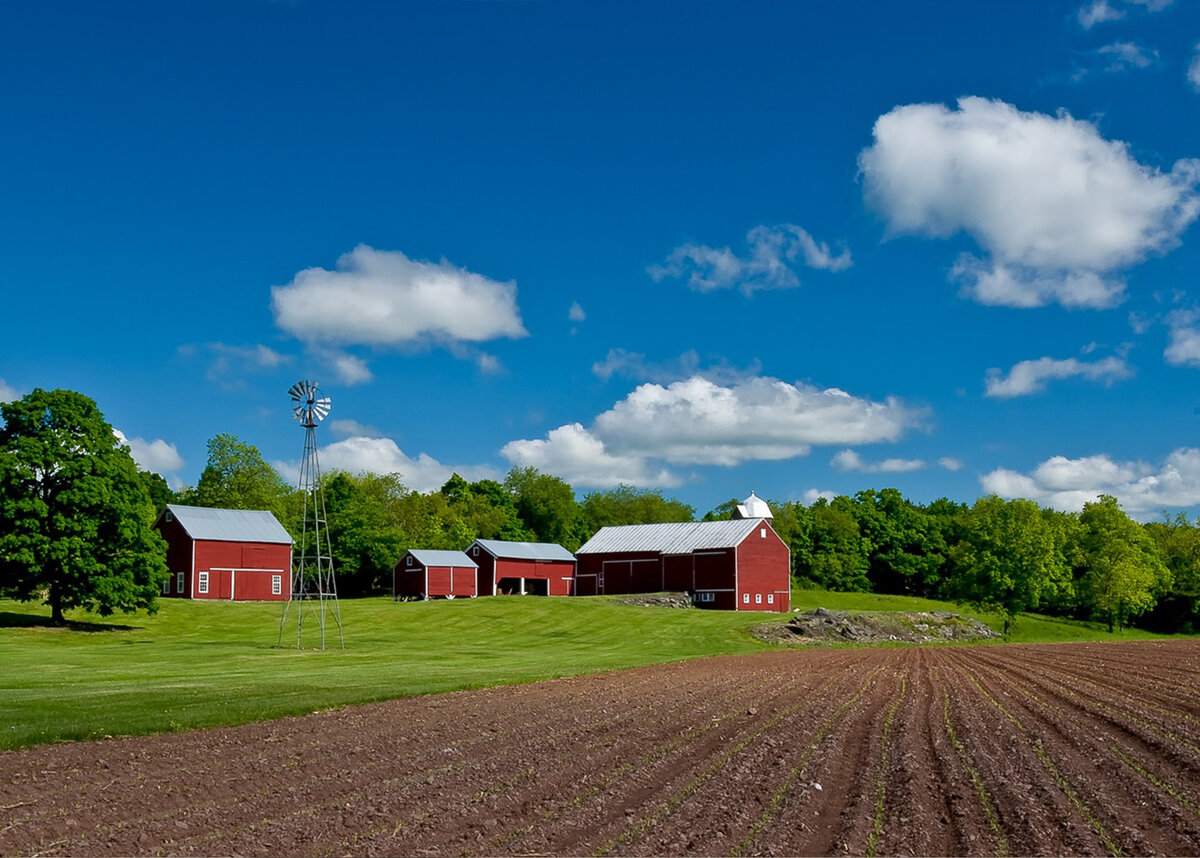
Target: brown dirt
1074,749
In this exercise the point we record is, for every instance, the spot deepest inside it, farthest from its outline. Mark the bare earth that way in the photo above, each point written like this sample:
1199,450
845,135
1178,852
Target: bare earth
1085,749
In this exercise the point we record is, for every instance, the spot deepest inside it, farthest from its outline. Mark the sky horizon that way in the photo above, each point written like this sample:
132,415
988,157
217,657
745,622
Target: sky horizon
800,249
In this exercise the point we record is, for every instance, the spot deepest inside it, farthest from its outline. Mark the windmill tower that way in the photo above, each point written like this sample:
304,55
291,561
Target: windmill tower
314,591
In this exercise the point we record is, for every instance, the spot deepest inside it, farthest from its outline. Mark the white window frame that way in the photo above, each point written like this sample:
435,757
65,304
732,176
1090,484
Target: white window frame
202,584
178,582
276,585
762,533
758,598
166,587
408,560
745,598
770,598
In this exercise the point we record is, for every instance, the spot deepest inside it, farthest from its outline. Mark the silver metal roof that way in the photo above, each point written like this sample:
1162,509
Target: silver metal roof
670,538
438,557
526,550
229,525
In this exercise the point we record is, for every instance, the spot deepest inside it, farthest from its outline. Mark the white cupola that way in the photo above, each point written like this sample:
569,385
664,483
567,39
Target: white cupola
753,507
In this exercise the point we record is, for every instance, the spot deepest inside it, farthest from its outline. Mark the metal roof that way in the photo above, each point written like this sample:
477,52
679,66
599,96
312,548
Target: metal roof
670,538
438,557
526,550
229,525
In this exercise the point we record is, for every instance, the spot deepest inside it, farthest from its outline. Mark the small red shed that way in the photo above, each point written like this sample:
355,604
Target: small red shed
428,573
527,568
235,554
738,565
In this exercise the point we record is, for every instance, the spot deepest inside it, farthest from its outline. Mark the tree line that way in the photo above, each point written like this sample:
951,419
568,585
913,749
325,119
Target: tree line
76,520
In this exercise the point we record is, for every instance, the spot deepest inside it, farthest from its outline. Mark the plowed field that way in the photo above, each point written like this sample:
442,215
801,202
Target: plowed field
1084,749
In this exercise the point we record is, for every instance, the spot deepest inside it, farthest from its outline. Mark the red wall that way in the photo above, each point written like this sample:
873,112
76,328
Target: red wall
247,567
179,556
721,578
559,574
485,578
764,572
433,581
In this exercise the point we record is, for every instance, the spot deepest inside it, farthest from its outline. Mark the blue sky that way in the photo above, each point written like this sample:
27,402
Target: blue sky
797,248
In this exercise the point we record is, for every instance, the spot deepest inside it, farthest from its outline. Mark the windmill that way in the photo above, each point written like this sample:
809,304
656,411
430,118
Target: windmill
313,587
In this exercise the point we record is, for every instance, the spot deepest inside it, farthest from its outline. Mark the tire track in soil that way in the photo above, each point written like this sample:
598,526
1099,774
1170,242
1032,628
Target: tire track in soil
1075,780
912,746
1134,799
635,806
623,758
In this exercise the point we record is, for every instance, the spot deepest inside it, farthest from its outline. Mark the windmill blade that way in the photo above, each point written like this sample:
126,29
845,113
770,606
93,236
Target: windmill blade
300,390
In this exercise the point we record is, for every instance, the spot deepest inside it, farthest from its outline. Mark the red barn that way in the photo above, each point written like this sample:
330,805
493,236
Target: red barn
426,574
234,554
528,568
738,565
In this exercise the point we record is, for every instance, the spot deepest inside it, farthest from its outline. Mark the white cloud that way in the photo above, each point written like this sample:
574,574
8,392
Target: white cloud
697,421
7,392
575,312
773,252
1097,12
1031,376
634,365
383,456
700,422
383,298
1058,209
849,460
950,463
811,496
347,428
580,458
157,455
231,362
347,368
1183,345
1127,55
1193,70
1068,484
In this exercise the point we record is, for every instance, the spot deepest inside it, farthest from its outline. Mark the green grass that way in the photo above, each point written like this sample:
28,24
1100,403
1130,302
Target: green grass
199,664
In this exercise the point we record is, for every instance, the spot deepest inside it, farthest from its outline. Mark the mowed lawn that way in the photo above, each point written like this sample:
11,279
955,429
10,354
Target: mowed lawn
198,664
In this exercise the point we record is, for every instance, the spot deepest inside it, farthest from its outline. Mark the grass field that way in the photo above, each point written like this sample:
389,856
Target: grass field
200,664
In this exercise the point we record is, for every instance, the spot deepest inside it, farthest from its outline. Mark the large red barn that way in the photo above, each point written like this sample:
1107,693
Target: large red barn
233,554
528,568
429,573
738,565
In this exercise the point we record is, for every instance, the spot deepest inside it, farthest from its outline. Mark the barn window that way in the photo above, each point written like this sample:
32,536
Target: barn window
475,551
706,597
408,560
762,532
203,583
167,587
770,598
178,582
758,598
167,516
745,598
276,585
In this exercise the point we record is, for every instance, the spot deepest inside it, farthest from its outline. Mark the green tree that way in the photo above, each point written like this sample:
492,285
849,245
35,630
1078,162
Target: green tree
237,477
907,554
1010,559
838,558
547,505
363,514
628,505
1123,572
76,522
486,509
156,488
1178,541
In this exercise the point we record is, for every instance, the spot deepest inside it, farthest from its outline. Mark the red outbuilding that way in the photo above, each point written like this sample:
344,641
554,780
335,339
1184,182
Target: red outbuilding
526,568
738,565
427,574
234,554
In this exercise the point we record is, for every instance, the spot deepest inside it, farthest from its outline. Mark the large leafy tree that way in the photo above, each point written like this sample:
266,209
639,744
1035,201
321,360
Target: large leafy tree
628,505
1011,557
1123,572
76,520
547,505
906,548
237,477
486,509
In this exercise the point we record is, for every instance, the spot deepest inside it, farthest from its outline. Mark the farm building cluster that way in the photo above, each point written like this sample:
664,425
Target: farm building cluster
739,564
